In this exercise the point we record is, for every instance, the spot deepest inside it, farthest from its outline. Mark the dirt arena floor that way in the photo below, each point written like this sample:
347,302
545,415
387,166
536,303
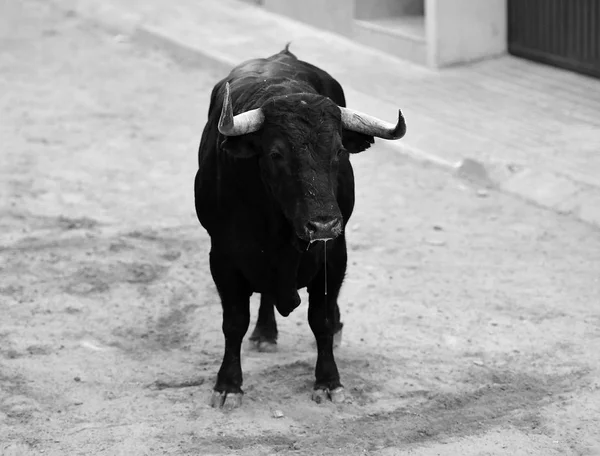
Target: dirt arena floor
472,320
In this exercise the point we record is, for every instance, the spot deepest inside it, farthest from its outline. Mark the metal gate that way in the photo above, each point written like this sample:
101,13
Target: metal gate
563,33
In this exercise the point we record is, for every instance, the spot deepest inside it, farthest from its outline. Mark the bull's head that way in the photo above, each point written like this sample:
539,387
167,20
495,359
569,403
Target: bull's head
300,140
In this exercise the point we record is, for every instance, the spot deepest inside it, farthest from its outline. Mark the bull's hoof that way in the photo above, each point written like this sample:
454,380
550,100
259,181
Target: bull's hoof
264,339
225,401
264,345
337,395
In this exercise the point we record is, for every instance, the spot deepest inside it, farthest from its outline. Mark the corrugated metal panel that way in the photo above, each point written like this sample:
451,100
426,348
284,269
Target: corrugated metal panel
564,33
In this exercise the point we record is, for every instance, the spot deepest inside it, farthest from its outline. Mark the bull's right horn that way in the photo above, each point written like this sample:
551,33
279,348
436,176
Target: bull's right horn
372,126
241,124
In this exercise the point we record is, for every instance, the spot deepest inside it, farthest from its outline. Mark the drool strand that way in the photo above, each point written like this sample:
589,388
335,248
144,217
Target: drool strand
325,248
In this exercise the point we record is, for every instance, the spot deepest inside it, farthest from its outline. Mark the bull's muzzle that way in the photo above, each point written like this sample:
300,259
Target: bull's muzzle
323,229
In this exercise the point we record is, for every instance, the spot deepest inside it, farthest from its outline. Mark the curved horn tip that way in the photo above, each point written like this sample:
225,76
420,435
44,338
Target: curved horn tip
400,129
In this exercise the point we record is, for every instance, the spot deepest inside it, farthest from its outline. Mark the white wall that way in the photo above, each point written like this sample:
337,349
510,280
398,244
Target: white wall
373,9
464,30
457,30
333,15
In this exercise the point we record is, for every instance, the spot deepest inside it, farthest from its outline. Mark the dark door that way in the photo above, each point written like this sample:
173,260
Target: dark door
563,33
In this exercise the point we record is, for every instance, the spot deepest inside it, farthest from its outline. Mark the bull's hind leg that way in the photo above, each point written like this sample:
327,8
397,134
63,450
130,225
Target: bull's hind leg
264,336
324,320
235,299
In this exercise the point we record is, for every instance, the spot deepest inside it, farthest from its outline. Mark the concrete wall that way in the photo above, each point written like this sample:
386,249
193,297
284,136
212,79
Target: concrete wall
372,9
457,31
333,15
464,30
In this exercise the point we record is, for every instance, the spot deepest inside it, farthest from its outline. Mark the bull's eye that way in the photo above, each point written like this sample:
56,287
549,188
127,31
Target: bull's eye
276,156
340,151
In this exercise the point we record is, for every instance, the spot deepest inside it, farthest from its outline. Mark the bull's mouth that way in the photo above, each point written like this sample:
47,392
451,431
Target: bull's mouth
323,238
303,245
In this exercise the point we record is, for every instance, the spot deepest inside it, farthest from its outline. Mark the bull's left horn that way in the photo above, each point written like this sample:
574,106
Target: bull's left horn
241,124
369,125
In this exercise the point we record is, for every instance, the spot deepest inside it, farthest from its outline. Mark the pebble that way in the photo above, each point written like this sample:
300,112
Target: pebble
277,414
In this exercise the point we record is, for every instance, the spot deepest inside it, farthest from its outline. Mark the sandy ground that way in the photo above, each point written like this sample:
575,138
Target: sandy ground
472,321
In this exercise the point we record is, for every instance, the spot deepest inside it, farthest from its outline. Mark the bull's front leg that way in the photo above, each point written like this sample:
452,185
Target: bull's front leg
324,320
235,300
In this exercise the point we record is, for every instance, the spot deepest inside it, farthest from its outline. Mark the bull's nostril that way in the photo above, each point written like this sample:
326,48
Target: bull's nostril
337,225
324,229
316,227
312,227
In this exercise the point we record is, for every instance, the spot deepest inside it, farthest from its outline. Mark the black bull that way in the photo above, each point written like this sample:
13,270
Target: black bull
274,177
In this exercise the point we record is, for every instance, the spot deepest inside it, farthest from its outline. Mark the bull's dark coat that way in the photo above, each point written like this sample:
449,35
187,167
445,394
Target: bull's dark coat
256,195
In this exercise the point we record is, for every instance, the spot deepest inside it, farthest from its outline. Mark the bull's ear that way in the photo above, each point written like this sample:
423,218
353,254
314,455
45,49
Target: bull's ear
356,142
239,146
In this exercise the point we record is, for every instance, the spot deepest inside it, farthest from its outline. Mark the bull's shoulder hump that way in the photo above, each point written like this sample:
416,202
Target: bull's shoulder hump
249,77
323,82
